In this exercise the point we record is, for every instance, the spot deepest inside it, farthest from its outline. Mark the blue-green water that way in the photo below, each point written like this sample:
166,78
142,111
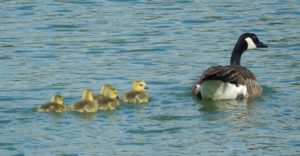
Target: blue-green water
52,47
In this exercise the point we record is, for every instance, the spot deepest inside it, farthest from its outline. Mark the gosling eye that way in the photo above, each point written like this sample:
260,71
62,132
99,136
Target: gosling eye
141,85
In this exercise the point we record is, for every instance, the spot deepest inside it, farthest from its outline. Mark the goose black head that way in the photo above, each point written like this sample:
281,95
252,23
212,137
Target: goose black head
246,41
252,41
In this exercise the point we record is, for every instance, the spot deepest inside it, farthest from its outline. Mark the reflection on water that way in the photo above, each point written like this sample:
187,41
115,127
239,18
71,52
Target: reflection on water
242,118
212,106
86,116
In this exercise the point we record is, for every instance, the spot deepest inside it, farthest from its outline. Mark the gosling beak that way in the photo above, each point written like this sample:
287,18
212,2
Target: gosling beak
146,87
118,98
261,45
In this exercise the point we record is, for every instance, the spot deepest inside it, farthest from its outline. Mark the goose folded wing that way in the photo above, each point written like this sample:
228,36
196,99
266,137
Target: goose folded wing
233,74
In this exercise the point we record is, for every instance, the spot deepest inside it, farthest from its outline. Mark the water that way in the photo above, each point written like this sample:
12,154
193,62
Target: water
64,46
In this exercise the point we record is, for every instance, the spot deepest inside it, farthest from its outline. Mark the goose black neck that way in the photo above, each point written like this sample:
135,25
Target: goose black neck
237,52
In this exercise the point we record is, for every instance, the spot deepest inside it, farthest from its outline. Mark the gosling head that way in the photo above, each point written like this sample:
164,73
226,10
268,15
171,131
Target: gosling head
57,99
104,88
139,85
111,93
87,95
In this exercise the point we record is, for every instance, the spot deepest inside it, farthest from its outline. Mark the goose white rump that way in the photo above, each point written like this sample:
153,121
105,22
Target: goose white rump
217,90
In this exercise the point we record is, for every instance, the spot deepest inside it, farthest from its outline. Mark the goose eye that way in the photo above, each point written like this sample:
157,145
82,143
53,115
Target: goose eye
255,39
141,85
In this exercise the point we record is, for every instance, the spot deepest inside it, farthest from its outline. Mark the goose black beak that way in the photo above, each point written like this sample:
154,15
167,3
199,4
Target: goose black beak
261,45
146,87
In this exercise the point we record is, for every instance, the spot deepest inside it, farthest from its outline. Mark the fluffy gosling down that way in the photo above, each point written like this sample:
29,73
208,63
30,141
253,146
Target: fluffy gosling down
55,105
138,93
103,91
86,104
108,98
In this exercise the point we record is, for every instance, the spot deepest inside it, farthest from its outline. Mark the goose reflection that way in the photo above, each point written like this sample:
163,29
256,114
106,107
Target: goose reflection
210,106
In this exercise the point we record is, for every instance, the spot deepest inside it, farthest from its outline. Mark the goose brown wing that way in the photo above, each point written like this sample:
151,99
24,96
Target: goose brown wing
232,73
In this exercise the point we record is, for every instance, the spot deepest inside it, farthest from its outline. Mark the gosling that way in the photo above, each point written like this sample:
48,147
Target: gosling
86,104
103,91
138,93
55,105
109,100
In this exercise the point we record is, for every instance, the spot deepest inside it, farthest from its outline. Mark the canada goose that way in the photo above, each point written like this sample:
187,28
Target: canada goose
138,93
55,105
109,99
232,81
86,104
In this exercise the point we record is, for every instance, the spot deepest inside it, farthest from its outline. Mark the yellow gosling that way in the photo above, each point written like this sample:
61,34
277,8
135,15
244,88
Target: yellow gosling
103,90
138,93
55,105
109,101
86,104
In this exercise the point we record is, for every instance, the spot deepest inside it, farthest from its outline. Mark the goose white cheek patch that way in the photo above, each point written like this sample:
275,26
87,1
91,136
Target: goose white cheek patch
197,90
251,44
